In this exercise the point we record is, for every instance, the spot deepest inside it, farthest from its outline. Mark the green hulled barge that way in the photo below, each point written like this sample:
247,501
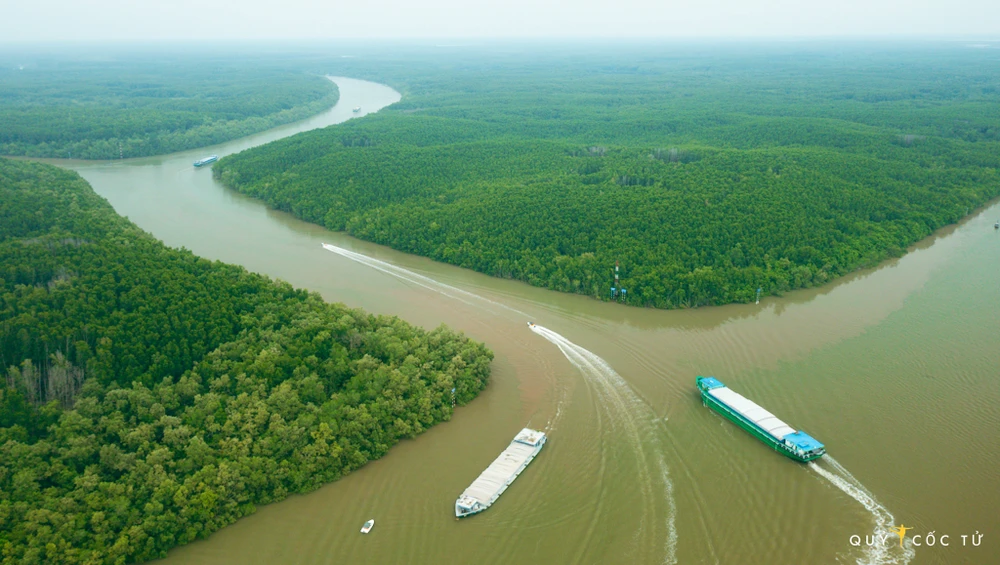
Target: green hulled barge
765,426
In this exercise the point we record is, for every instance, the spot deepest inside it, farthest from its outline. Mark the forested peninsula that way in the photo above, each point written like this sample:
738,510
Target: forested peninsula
150,397
707,172
136,106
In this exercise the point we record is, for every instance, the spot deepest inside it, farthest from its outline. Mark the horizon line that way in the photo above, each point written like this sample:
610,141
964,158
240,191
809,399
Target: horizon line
449,41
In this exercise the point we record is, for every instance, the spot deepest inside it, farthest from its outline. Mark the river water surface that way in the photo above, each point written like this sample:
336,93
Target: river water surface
894,369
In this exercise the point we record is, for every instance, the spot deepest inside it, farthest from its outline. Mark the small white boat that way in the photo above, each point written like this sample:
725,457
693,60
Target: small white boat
368,526
531,324
356,109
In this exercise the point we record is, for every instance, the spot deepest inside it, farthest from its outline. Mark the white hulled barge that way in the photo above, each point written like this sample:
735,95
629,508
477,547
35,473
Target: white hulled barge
486,489
206,160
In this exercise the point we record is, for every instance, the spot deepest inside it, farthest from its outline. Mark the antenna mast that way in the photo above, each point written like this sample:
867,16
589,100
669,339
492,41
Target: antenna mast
617,292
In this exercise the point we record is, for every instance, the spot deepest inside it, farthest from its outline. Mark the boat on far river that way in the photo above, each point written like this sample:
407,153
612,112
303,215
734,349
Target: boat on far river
206,160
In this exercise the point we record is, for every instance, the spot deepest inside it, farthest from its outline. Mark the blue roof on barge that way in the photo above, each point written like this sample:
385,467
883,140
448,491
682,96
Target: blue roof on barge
803,441
708,383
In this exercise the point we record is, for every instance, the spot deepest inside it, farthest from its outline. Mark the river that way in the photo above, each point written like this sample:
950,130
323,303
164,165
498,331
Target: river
895,369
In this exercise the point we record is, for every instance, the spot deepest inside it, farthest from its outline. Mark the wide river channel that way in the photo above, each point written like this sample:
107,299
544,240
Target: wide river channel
896,370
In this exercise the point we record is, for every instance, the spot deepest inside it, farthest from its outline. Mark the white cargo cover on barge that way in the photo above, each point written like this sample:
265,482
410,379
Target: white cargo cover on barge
485,490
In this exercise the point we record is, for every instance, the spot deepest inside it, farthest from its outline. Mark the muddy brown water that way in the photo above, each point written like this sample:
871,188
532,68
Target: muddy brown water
895,369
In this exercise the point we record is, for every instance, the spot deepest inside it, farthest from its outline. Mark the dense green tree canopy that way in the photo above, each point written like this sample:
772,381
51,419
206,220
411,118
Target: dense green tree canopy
707,172
139,105
150,397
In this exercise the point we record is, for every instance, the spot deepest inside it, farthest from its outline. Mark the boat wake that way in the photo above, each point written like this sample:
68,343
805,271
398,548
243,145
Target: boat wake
626,408
407,275
619,400
463,296
880,553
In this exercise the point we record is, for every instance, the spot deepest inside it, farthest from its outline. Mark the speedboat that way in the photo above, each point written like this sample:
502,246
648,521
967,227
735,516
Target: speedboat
531,324
356,109
368,526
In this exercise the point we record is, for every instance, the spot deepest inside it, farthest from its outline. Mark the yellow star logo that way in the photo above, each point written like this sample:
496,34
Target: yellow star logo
900,531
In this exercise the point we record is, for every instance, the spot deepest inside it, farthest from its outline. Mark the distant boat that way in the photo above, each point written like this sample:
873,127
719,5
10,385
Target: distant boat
996,226
368,526
206,160
356,109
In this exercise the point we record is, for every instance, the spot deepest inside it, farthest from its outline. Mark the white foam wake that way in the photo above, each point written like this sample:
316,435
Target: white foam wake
416,278
881,553
625,407
621,402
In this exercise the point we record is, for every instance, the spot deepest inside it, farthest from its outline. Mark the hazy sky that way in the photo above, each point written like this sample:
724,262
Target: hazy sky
72,20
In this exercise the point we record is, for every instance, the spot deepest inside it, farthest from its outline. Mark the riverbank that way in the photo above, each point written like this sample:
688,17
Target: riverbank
872,353
699,196
128,105
235,390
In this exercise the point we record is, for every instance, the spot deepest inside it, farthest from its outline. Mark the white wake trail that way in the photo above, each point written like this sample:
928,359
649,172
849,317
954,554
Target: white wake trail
433,286
416,278
610,386
880,553
616,393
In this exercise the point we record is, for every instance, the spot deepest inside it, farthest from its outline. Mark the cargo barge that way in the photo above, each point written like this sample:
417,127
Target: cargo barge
206,160
486,489
765,426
